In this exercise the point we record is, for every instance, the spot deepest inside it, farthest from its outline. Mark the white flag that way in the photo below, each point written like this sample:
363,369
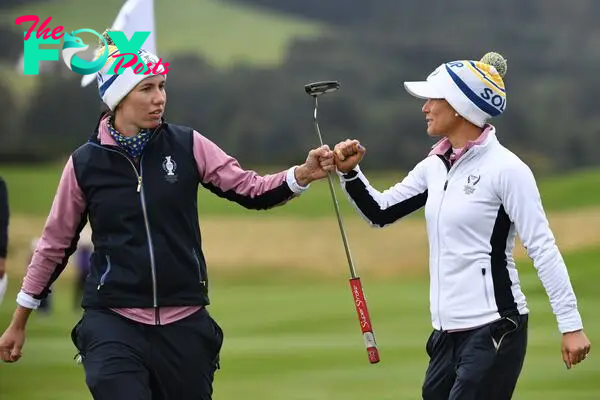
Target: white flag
135,15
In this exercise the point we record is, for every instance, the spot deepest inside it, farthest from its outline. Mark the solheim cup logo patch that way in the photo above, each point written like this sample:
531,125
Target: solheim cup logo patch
169,166
472,180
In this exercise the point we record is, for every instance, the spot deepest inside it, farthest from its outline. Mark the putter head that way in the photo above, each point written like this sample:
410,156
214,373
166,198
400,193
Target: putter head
317,88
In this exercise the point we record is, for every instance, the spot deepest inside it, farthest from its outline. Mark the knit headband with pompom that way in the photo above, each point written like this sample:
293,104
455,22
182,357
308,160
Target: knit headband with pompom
113,88
475,89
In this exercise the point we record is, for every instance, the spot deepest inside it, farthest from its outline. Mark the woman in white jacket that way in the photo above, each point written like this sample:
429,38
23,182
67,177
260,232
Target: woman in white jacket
477,196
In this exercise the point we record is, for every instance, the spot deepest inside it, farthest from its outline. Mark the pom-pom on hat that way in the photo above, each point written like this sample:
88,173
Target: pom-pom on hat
474,89
114,88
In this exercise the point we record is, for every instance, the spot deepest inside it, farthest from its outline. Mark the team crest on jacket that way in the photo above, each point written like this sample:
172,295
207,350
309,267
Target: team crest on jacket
169,165
472,180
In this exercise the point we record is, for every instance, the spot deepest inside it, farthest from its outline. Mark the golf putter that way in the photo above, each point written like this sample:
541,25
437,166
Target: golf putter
316,89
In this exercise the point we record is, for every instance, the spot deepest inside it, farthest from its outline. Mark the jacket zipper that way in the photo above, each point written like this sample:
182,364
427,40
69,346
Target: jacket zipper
140,190
449,170
487,296
105,274
438,255
197,259
149,236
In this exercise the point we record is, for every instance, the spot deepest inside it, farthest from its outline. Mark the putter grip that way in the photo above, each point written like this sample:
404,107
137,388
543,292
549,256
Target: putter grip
365,320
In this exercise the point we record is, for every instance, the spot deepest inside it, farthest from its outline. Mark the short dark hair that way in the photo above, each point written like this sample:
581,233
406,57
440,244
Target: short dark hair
107,111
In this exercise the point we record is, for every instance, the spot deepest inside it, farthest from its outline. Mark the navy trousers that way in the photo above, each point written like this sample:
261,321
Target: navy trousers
124,359
478,364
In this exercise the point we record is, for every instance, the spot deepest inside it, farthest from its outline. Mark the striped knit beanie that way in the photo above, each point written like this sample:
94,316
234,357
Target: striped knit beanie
114,88
474,89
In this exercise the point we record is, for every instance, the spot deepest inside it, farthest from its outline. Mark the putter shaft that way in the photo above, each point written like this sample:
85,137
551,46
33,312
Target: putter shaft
335,202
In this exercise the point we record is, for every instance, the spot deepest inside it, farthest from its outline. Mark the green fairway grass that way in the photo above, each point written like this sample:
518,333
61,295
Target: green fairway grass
32,189
294,336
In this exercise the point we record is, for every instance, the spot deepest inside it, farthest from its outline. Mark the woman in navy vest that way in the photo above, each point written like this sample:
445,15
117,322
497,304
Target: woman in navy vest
145,332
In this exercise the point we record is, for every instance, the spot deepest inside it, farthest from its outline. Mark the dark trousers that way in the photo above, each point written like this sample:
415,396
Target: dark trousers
479,364
126,360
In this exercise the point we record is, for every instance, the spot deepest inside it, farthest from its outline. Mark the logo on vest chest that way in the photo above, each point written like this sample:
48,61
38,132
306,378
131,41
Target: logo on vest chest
169,166
472,181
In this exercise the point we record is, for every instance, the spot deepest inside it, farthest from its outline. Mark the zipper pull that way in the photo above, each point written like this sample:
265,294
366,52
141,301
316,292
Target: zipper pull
139,187
445,185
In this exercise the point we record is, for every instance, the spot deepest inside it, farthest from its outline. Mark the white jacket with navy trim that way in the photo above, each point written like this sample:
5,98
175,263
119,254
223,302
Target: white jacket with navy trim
474,210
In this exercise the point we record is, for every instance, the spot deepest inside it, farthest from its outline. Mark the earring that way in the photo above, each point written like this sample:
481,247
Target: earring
456,114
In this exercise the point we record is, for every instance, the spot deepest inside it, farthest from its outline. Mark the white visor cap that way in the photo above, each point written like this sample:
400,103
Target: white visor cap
425,89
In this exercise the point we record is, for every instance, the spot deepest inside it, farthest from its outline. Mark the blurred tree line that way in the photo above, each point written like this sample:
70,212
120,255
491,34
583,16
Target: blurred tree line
262,115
